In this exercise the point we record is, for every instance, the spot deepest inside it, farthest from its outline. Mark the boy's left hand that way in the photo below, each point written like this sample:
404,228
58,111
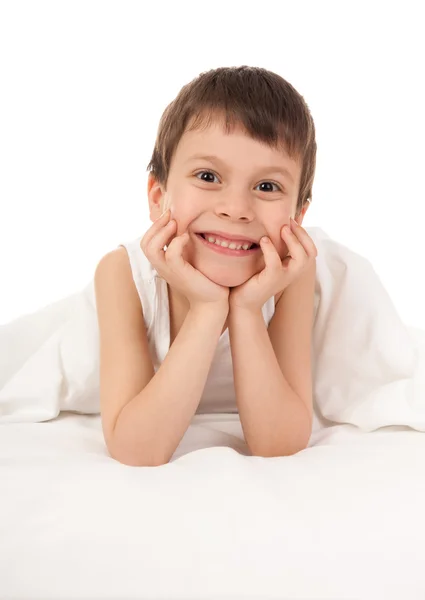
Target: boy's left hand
278,274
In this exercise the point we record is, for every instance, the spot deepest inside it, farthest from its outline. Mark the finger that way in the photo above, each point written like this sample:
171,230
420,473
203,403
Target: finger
174,254
155,228
295,247
155,248
271,256
304,239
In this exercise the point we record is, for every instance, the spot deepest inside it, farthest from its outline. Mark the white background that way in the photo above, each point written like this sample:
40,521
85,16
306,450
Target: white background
84,84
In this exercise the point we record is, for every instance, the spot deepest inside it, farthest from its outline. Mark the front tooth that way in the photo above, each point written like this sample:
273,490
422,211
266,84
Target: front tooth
231,245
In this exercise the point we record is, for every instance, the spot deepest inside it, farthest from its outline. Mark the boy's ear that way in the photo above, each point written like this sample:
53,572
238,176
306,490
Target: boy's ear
155,198
301,216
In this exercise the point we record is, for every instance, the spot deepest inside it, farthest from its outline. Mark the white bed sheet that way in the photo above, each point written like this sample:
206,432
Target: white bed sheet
342,519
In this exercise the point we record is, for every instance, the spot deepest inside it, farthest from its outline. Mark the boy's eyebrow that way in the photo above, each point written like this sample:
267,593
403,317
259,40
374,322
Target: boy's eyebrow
212,158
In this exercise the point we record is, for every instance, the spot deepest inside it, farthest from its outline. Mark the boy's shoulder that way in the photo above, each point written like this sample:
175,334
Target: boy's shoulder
112,262
113,272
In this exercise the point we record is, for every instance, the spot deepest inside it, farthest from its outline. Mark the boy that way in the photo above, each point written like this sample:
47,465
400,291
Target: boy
232,248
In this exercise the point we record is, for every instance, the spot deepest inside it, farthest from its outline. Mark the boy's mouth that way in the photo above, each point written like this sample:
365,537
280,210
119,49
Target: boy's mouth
231,248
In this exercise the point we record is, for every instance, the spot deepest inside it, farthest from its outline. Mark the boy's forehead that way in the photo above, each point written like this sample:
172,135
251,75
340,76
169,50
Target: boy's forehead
213,140
215,133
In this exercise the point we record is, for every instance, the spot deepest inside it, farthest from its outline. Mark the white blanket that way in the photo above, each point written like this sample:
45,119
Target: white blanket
369,367
343,519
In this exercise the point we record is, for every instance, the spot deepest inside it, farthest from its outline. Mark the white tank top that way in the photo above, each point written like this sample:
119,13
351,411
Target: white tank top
219,393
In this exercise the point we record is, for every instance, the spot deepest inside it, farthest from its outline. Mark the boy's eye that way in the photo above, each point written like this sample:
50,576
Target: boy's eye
270,183
262,183
209,173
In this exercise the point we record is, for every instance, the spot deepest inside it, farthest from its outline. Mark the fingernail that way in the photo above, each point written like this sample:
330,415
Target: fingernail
265,239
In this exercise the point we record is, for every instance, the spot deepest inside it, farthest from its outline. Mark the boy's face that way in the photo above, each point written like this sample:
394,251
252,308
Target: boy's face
239,195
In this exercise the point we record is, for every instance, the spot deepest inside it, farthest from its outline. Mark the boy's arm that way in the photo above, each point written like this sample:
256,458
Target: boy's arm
152,425
272,371
146,414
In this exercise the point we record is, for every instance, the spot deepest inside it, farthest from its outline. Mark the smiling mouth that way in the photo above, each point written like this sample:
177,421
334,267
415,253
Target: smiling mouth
228,248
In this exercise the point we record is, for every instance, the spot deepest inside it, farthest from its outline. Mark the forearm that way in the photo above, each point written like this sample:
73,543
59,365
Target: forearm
274,419
151,426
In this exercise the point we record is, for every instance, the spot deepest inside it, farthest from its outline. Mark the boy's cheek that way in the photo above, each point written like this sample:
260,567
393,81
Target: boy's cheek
184,221
281,247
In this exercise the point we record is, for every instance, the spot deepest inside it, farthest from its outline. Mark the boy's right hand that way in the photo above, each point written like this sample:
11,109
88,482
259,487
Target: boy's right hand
171,266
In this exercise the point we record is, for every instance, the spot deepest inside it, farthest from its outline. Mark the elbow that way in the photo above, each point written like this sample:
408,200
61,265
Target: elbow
133,460
140,463
131,450
132,457
289,439
288,448
278,452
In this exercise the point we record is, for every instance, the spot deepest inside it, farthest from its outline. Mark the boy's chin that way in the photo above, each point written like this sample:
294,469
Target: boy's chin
228,279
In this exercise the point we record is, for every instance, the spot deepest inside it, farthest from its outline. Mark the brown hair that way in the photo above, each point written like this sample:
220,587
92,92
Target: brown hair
269,108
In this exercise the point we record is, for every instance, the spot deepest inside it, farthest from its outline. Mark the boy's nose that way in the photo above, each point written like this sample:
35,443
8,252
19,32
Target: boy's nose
237,207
